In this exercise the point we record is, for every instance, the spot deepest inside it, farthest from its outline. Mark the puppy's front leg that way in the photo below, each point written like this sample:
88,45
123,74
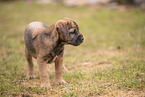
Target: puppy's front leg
43,73
59,69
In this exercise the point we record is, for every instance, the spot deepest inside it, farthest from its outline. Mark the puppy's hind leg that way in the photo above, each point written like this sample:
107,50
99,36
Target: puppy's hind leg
30,72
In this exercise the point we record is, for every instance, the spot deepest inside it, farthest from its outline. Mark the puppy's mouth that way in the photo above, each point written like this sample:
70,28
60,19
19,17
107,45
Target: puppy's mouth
76,42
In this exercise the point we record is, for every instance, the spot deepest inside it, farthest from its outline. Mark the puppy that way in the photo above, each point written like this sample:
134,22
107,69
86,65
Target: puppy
46,44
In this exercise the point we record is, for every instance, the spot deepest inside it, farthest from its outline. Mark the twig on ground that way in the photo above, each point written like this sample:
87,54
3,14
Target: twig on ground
108,85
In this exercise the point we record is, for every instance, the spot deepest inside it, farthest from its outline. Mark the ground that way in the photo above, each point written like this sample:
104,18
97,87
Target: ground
110,62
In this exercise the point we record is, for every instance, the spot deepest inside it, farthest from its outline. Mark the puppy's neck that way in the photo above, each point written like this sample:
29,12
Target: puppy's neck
52,37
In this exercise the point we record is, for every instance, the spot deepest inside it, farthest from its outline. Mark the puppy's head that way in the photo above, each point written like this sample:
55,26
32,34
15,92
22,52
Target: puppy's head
68,31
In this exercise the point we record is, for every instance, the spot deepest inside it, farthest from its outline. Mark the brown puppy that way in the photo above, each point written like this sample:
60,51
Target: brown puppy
46,44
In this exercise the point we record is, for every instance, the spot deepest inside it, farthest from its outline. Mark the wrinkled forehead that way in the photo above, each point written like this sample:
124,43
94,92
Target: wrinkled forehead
72,24
69,23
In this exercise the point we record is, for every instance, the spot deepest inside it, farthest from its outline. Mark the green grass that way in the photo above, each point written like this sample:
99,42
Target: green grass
113,51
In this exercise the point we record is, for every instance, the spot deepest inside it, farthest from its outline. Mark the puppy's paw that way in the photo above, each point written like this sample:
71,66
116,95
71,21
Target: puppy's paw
30,76
46,85
60,81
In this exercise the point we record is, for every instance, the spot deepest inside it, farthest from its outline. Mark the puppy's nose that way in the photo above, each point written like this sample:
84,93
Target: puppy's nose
82,38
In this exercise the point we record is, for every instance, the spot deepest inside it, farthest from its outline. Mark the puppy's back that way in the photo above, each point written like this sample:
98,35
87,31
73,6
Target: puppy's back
36,25
30,29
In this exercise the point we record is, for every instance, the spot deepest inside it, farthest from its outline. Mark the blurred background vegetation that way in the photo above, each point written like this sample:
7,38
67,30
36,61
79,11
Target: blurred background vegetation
110,62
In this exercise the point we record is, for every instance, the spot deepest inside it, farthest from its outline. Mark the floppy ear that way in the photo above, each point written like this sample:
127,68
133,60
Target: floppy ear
58,29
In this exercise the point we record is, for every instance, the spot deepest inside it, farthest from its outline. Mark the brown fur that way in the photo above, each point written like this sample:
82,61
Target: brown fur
46,44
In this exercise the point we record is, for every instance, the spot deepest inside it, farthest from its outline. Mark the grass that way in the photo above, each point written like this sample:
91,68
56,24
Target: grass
110,62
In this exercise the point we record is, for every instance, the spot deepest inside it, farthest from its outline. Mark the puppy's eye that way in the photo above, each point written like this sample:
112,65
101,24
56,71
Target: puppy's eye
72,32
